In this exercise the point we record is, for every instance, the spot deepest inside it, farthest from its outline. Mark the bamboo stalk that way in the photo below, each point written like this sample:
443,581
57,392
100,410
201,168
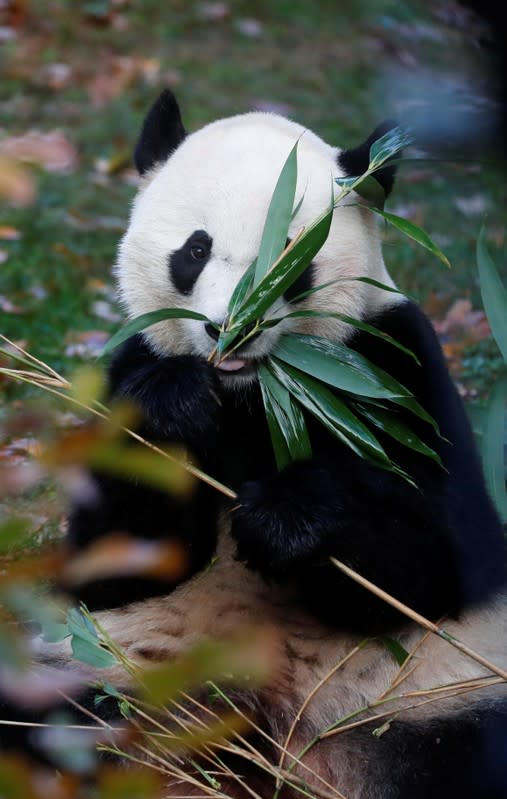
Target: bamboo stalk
412,614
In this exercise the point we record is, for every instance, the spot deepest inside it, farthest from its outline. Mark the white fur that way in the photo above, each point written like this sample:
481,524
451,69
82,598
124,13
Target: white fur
221,180
227,599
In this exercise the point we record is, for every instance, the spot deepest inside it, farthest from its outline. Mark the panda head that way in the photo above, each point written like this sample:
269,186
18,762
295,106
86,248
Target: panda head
197,222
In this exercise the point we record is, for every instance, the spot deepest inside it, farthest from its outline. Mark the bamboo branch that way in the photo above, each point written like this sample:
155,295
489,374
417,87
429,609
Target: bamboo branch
412,614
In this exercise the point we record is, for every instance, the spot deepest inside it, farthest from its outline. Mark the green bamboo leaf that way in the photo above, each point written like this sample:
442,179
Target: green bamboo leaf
278,440
240,293
297,208
308,292
85,643
477,415
330,411
92,654
337,365
414,232
395,649
278,219
390,423
289,419
281,276
347,370
367,186
148,319
376,283
388,145
492,446
374,331
494,294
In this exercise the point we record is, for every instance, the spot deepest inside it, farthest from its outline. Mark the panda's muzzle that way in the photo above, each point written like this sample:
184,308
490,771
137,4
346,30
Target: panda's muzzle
239,362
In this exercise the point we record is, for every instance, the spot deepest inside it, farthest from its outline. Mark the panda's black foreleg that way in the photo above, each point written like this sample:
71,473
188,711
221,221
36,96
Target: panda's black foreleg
287,526
178,403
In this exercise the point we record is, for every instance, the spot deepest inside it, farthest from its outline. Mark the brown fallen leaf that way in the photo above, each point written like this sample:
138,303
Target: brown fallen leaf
51,150
8,233
119,554
86,345
6,305
16,184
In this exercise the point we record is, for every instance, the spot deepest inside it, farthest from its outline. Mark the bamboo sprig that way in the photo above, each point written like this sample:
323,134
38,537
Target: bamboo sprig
426,623
41,381
307,701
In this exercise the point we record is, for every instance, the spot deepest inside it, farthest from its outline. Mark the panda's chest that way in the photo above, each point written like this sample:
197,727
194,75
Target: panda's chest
246,452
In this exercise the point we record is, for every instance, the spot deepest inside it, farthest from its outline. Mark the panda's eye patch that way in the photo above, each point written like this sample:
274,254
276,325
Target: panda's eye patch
187,263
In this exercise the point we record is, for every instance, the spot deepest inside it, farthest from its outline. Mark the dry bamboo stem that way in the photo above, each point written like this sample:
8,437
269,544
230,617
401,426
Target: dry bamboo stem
412,614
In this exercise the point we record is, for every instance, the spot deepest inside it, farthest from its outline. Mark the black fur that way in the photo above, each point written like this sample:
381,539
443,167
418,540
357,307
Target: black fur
461,756
289,523
178,401
187,263
303,283
161,134
355,161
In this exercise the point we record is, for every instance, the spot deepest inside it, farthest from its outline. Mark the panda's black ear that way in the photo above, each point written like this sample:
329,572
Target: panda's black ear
355,162
161,133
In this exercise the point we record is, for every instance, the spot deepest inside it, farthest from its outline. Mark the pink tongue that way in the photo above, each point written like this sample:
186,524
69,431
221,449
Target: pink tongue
230,365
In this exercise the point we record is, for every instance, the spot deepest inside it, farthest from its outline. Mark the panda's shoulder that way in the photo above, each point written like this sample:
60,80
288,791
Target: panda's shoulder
405,323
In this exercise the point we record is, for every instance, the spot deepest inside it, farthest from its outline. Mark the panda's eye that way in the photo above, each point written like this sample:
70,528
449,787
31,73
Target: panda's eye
198,252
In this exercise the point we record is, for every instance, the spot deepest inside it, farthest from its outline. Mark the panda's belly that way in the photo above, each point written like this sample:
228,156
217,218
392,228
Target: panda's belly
343,672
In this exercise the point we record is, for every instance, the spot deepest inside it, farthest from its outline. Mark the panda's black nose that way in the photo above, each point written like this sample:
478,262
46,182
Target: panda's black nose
212,331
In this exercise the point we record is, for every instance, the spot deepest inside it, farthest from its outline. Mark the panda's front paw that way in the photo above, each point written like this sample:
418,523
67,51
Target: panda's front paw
177,396
283,524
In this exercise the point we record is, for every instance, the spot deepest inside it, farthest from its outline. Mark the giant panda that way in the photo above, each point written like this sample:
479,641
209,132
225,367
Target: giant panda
437,547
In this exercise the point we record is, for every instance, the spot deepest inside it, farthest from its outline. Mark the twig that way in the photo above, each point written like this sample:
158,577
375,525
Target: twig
189,467
412,614
305,704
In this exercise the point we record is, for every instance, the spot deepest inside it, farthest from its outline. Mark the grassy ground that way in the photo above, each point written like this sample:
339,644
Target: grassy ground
91,69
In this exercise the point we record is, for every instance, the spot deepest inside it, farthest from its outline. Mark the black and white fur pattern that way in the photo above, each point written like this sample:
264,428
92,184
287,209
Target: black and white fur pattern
195,227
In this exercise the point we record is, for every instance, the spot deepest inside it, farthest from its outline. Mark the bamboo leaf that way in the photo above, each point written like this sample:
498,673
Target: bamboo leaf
281,276
414,232
367,186
368,280
288,419
390,423
492,446
330,411
494,294
337,365
146,320
280,446
388,145
241,290
85,643
394,647
276,227
376,283
374,331
343,368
